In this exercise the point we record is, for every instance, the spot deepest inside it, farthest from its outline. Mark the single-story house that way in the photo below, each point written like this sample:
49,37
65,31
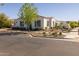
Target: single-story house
41,23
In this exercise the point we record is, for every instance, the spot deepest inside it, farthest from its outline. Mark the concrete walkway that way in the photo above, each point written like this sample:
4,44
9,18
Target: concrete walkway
72,34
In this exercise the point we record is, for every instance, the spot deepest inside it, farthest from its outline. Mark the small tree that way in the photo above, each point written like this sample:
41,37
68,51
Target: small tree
28,13
3,18
4,21
7,23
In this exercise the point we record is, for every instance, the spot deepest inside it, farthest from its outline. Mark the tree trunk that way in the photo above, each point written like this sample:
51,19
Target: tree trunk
28,27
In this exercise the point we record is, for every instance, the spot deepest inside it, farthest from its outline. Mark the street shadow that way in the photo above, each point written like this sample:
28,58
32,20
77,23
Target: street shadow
63,38
11,33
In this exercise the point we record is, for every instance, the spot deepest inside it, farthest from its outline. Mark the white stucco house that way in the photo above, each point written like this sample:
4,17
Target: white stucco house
41,23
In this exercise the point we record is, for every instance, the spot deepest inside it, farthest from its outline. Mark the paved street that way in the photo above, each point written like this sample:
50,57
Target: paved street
22,45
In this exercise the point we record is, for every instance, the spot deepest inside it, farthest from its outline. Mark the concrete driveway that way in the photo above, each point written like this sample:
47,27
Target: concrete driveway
73,33
21,45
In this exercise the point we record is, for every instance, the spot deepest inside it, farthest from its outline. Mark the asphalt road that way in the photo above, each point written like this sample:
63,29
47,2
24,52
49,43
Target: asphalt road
21,45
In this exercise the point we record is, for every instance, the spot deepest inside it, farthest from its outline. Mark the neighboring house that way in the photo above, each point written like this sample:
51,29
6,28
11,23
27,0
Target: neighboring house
41,23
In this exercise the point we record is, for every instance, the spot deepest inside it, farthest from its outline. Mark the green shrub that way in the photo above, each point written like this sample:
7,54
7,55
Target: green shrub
5,22
73,24
54,34
60,33
44,33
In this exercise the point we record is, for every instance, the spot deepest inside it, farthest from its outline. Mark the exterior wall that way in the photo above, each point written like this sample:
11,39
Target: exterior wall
41,27
43,23
25,26
53,22
33,25
17,22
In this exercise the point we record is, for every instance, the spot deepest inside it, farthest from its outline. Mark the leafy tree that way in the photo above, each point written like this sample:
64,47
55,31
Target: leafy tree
4,21
28,13
7,23
78,23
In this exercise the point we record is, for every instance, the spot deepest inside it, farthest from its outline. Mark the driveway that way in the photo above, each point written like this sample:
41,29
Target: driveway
73,33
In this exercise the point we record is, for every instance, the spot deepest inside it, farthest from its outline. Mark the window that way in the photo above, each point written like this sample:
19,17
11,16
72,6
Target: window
21,23
37,23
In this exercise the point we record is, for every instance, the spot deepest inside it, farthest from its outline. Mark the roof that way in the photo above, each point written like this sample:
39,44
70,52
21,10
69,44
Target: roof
39,16
46,17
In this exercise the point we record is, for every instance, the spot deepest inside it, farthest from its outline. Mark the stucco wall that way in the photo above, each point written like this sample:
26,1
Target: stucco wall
53,22
43,23
17,22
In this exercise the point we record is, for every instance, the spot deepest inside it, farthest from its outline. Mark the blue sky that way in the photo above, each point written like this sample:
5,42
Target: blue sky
60,11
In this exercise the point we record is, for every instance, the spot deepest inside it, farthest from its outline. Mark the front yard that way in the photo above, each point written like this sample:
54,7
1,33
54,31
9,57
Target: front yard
49,34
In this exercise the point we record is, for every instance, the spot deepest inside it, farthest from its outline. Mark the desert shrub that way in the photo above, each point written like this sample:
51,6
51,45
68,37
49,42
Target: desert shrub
51,27
46,28
54,34
60,33
44,33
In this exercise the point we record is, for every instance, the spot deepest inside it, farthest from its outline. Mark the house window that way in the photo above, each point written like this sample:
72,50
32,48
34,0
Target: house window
37,23
21,23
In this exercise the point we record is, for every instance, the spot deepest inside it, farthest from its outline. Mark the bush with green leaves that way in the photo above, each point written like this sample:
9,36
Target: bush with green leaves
73,24
5,22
